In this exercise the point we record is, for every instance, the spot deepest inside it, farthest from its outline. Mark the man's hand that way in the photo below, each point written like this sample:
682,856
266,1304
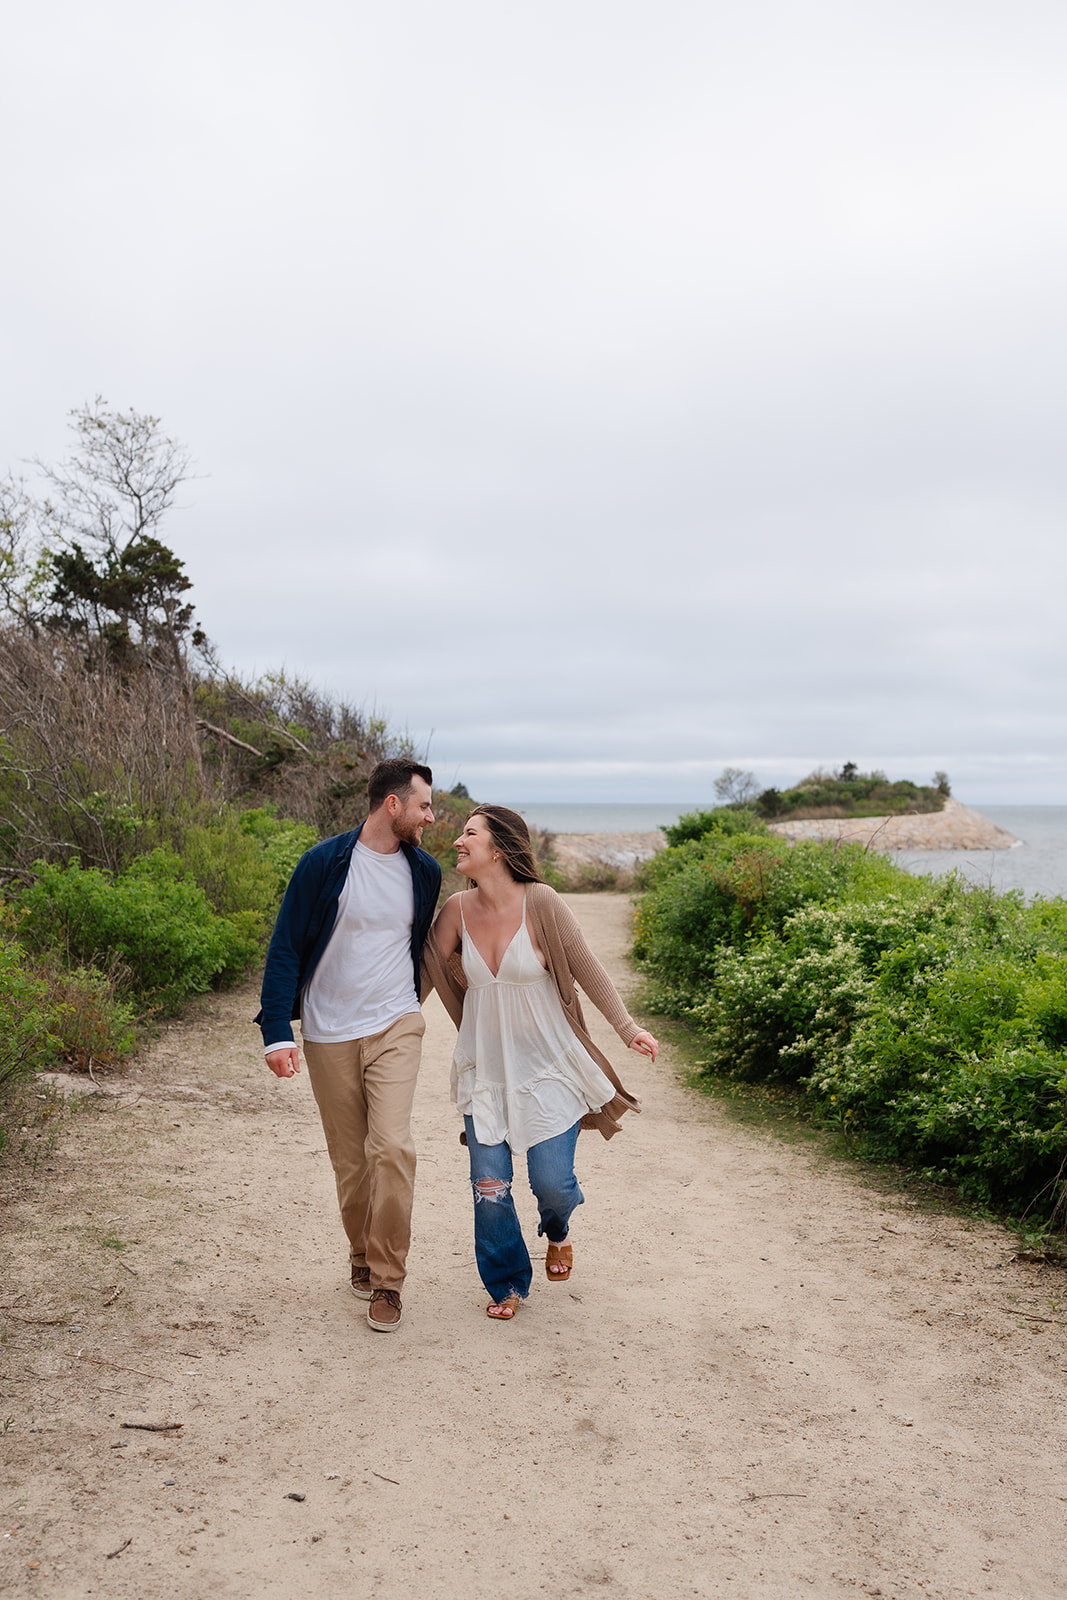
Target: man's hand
645,1044
283,1063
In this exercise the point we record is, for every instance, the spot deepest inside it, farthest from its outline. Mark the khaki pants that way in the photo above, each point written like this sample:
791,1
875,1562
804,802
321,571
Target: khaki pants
364,1089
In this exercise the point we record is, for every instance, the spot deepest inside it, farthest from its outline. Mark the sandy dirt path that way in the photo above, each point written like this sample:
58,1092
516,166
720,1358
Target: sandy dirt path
763,1379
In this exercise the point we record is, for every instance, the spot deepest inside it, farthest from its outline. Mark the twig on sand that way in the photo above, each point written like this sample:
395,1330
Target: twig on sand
153,1427
777,1494
125,1545
98,1361
383,1477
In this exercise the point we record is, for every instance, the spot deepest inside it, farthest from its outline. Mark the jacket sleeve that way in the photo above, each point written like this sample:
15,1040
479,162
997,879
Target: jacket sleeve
281,975
590,975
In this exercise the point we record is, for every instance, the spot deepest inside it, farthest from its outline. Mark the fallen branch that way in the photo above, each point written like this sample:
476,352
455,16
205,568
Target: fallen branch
153,1427
778,1494
98,1361
125,1545
231,738
383,1478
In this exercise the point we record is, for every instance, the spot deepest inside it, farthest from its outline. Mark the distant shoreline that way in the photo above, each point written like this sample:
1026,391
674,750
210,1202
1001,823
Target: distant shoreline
956,827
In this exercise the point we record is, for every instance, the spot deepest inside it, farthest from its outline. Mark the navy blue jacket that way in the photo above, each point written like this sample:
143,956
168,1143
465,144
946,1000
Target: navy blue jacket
306,919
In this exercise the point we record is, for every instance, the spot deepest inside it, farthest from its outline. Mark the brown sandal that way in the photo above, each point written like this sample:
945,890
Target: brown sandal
558,1255
503,1310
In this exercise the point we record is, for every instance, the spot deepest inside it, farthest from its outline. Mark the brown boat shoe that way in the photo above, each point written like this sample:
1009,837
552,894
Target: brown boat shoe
385,1311
361,1281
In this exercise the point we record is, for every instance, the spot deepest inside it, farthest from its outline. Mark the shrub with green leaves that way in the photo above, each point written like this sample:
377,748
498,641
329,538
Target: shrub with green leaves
26,1039
50,1017
152,917
926,1018
243,859
90,1020
724,891
282,842
723,821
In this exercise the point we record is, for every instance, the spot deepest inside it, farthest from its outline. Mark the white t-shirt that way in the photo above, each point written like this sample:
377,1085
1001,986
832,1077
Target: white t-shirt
364,980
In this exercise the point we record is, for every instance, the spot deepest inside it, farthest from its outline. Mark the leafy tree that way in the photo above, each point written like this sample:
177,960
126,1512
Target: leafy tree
87,561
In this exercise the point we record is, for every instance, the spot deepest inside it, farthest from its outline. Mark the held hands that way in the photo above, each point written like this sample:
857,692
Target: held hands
283,1063
645,1044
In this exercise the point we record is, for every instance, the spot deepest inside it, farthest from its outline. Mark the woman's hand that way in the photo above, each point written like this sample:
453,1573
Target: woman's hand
645,1044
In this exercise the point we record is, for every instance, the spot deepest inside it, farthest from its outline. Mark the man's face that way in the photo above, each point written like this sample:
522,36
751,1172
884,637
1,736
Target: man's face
409,817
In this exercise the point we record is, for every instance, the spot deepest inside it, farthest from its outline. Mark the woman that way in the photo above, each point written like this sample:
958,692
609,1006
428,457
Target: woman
504,956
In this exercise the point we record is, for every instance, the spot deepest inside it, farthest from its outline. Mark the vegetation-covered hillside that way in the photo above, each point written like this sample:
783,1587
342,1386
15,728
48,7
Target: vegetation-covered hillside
152,804
848,793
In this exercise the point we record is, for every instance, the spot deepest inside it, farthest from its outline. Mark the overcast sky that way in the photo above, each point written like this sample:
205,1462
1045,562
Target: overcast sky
604,392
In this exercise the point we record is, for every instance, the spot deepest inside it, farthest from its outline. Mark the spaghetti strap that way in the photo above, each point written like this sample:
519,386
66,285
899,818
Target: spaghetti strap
462,918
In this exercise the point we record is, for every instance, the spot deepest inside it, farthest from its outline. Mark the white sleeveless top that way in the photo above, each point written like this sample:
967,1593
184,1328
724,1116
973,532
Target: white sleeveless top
518,1069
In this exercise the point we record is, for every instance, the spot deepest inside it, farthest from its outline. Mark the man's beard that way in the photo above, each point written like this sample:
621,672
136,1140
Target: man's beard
407,829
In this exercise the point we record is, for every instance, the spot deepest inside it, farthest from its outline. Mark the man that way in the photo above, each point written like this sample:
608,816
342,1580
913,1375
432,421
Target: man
345,957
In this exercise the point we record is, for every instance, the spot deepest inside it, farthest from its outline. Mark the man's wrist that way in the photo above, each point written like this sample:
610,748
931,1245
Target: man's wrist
285,1044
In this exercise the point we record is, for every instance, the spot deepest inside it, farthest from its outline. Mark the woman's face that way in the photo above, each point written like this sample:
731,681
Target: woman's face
474,847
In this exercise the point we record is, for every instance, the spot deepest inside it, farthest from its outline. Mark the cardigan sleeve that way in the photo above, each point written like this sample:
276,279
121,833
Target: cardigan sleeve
590,975
445,974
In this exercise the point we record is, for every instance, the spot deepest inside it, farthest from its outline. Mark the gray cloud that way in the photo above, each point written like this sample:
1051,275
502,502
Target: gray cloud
615,391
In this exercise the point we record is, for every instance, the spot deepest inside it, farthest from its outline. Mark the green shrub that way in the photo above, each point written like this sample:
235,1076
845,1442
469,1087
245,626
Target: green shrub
282,841
47,1016
927,1019
91,1022
26,1040
152,917
230,867
722,890
725,821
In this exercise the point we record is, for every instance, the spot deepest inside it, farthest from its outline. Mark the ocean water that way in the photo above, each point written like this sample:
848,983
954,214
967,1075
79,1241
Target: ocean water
1038,865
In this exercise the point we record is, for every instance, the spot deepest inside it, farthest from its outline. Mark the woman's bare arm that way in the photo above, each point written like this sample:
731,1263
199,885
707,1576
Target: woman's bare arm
447,928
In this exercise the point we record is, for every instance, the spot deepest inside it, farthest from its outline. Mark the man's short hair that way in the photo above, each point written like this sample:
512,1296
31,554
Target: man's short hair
395,777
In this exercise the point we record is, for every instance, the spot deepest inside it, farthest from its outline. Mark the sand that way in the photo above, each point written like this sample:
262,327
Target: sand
763,1379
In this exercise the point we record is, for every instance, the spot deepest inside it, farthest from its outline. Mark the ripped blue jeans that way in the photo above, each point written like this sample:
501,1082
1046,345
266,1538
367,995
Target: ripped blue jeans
499,1248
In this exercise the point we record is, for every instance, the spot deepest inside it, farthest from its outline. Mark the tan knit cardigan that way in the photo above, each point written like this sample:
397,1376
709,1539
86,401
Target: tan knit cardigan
555,932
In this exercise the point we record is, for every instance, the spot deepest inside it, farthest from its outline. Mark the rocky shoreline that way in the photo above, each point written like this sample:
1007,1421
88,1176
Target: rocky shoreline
956,827
575,853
